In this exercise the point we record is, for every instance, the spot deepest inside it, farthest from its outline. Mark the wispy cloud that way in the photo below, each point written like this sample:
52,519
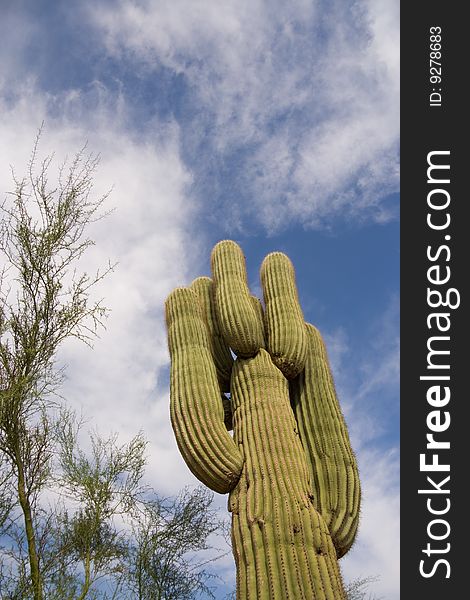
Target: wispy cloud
298,102
386,344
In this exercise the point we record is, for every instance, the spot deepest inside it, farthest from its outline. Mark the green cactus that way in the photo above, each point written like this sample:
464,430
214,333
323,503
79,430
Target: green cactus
289,468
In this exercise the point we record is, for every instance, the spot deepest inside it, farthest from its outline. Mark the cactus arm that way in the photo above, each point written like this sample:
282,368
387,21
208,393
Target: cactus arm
196,410
223,360
286,334
237,314
333,468
204,288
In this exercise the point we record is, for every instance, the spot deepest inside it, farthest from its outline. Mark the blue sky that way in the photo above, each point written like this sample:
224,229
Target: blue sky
275,124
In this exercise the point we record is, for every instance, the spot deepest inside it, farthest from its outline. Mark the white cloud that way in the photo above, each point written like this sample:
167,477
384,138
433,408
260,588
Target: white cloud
309,92
149,234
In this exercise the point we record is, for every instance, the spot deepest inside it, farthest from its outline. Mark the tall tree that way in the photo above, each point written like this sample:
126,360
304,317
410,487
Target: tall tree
43,302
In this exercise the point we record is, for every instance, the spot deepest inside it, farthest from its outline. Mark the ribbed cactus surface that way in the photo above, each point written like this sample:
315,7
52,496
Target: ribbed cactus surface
289,468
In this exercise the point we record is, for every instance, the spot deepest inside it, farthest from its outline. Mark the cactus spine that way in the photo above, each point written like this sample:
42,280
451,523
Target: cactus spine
291,473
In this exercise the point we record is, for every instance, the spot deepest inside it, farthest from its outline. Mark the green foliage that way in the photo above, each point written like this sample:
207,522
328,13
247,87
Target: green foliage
44,300
163,550
357,589
104,534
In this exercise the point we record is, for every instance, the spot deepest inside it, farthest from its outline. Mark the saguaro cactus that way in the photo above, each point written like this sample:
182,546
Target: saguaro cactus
289,468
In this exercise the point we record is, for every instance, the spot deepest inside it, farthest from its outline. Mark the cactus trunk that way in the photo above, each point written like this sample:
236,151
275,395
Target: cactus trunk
282,546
